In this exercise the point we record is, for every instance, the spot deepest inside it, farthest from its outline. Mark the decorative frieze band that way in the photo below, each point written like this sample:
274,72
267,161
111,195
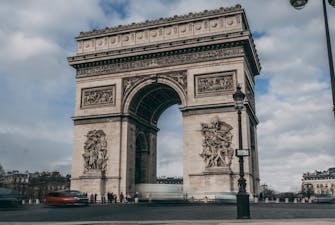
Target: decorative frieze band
214,83
98,96
184,56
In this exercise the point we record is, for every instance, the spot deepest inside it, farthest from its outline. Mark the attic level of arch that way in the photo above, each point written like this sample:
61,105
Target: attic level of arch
163,21
146,60
167,44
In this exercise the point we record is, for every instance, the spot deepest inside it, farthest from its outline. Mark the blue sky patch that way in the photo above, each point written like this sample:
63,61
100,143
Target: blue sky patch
262,86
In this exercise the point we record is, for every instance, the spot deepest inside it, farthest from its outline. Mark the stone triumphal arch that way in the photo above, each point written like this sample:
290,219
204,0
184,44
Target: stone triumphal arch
126,76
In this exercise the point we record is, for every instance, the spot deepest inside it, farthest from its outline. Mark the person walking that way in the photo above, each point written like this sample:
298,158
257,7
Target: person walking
115,198
109,197
128,197
91,198
121,197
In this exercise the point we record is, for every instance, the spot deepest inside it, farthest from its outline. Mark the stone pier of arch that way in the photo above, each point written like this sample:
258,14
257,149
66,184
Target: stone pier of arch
126,76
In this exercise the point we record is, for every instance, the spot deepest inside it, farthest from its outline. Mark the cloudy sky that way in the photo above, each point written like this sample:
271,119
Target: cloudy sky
296,130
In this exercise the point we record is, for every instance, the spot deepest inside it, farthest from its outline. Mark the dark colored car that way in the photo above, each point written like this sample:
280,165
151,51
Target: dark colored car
66,198
9,198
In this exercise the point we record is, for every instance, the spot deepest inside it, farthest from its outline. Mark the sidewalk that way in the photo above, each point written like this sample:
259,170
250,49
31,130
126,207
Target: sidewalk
196,222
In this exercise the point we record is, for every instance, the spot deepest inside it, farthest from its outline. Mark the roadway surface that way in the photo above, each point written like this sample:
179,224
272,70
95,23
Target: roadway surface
164,212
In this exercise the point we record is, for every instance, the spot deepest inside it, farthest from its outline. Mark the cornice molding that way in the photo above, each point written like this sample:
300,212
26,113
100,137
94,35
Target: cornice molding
160,21
228,39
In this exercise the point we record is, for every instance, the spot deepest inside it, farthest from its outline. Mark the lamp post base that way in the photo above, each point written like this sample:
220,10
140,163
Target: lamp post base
243,210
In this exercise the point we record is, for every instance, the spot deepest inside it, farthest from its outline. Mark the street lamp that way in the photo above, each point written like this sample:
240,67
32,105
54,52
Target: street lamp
299,4
242,197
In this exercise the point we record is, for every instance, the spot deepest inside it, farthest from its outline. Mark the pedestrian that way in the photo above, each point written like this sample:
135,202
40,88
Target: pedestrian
128,197
108,197
95,198
121,197
112,197
115,198
91,198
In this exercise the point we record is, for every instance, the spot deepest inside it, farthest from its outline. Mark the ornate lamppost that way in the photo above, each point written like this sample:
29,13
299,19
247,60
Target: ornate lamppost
299,4
242,197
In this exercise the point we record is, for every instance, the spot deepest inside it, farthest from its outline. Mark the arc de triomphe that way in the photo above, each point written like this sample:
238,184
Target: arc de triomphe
126,76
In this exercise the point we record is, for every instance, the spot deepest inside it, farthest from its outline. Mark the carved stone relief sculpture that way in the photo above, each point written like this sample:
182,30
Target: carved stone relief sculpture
214,83
217,150
95,151
98,96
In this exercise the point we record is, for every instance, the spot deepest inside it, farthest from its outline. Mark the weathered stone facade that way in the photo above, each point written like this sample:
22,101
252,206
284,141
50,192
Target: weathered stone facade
128,75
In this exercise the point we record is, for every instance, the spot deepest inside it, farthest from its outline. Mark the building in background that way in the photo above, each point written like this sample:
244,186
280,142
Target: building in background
16,181
319,183
33,185
40,183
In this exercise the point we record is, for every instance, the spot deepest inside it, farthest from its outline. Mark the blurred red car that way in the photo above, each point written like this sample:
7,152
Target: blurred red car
65,198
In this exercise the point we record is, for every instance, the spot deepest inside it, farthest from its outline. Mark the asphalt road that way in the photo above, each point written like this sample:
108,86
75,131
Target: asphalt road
162,212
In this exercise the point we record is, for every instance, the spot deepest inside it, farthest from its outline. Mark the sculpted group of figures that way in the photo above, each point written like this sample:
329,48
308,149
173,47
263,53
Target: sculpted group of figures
100,96
211,84
217,144
95,151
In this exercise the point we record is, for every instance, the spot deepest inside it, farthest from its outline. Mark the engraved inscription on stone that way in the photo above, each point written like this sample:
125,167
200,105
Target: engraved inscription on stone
98,96
217,150
95,151
214,83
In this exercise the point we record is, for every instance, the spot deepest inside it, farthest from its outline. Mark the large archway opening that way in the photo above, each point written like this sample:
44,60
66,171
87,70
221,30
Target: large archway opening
145,109
170,144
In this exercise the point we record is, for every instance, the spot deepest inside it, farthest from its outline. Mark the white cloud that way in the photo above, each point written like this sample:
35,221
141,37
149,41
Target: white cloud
41,131
19,47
